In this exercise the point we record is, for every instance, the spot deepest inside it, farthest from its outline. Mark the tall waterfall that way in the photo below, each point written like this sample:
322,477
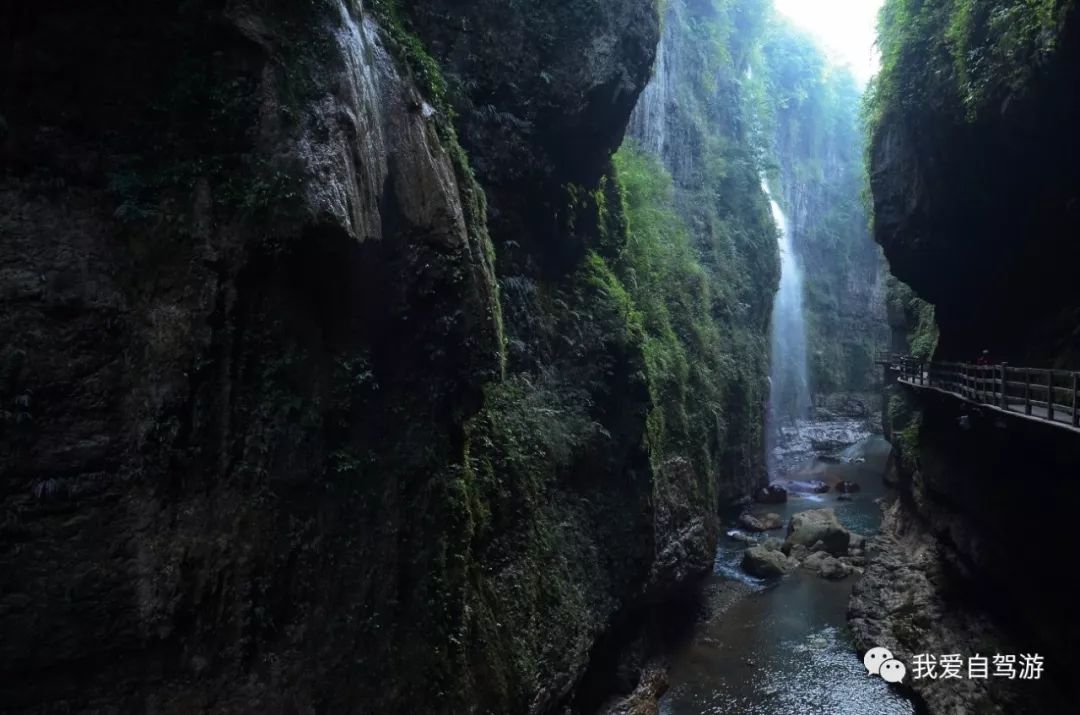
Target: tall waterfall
789,397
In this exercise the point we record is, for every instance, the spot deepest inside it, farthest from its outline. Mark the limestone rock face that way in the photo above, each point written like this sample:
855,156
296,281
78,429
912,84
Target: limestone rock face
251,346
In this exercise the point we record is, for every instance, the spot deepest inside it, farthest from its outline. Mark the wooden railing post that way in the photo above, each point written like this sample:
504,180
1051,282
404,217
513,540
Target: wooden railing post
1075,415
1027,390
1050,395
1004,386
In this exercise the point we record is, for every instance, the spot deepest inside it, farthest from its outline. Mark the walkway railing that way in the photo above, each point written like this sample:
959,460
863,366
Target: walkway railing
1052,395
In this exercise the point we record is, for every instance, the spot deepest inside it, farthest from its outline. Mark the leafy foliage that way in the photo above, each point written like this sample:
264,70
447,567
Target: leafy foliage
963,53
670,288
918,315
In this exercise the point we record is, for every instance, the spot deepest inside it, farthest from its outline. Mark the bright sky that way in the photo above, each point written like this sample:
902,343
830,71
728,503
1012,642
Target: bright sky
845,28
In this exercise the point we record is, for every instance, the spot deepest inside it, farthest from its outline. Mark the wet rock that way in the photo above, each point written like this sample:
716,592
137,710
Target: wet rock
768,522
797,552
827,566
645,697
819,525
741,536
771,494
764,563
845,497
751,522
773,544
834,569
847,487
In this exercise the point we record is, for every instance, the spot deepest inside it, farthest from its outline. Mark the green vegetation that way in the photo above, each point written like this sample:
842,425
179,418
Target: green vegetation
687,364
967,54
903,423
917,314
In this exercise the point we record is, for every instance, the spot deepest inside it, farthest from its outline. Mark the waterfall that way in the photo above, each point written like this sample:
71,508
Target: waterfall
648,123
789,397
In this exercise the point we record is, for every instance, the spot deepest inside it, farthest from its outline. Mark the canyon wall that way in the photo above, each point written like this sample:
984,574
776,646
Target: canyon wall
973,160
336,372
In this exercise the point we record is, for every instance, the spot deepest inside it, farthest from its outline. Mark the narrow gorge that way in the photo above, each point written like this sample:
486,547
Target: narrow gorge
545,357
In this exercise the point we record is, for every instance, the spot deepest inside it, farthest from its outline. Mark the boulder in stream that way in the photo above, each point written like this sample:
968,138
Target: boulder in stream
847,487
771,494
765,563
773,544
827,566
768,522
819,525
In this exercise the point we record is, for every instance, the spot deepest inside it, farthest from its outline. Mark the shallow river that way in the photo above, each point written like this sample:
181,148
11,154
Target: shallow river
783,649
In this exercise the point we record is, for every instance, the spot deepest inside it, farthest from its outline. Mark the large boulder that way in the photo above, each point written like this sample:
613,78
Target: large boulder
771,494
766,563
810,527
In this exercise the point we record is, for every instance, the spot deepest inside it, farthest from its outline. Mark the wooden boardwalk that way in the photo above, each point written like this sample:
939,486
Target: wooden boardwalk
1050,397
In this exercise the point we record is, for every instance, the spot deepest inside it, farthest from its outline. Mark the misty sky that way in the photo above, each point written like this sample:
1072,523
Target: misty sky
845,28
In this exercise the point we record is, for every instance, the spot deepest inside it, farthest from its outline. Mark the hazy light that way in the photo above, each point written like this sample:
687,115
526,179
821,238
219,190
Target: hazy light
846,30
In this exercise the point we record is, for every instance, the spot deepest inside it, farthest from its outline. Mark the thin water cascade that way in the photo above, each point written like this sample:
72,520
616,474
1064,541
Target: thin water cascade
649,123
789,396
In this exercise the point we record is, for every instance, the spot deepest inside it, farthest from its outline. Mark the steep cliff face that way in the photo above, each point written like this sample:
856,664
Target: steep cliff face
691,131
248,300
271,438
975,186
974,171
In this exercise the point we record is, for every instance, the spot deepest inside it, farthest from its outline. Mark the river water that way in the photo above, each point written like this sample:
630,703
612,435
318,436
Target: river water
781,648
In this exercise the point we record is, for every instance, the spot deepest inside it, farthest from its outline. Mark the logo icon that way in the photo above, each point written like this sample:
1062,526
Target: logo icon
893,671
874,658
880,661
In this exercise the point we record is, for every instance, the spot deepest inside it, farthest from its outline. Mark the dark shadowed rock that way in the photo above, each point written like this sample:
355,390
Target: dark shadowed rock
771,494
